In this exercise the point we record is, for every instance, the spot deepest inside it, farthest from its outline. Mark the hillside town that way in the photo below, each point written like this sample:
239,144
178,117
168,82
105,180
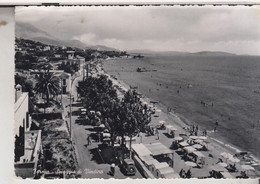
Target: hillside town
74,120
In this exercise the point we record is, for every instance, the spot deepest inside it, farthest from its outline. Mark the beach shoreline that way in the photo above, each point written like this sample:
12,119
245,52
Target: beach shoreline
180,121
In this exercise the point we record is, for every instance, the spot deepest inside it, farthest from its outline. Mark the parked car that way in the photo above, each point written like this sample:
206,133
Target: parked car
128,167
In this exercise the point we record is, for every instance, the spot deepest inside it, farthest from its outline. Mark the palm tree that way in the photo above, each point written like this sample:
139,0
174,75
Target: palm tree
47,85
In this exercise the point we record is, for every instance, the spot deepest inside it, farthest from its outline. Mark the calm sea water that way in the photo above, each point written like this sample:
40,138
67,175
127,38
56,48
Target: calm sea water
229,85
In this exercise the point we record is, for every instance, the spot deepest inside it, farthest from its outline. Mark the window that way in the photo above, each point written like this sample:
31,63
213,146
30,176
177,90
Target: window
64,81
64,90
27,120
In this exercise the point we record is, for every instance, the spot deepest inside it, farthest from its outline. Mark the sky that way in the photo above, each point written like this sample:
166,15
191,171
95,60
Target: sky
165,28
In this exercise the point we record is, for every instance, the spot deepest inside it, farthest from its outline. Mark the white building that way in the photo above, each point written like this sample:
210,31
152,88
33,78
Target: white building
21,117
47,48
70,54
28,148
65,81
29,163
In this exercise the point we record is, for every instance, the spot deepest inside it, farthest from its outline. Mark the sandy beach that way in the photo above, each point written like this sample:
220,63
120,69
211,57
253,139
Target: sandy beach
125,75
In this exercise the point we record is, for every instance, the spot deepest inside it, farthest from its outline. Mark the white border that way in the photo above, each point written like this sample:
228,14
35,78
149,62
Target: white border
6,107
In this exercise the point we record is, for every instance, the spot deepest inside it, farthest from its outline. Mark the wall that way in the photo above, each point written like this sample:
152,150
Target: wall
21,108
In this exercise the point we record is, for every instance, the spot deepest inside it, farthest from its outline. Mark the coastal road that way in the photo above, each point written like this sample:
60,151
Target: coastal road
85,154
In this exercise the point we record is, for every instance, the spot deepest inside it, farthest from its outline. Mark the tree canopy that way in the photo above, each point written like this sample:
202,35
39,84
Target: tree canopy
47,85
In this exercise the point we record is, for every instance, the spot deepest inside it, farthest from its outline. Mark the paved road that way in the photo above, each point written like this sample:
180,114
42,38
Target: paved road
85,153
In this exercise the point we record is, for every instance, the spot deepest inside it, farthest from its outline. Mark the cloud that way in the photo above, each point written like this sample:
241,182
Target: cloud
156,28
88,38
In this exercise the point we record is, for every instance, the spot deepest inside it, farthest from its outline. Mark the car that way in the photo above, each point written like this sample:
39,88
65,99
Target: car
128,167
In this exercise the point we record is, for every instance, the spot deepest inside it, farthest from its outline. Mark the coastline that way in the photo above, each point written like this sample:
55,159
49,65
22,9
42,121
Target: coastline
179,121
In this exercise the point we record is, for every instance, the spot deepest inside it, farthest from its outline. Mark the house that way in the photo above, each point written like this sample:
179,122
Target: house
70,54
57,55
65,81
42,59
30,162
28,147
22,118
81,61
47,48
78,59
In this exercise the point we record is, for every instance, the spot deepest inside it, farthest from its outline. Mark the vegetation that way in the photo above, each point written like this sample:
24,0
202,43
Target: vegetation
47,85
69,67
122,118
27,85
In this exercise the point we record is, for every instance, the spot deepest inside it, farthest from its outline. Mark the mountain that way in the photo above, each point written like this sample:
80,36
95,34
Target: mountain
202,53
102,47
213,53
144,51
28,31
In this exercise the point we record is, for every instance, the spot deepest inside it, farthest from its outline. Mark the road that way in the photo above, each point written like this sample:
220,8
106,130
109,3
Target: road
85,154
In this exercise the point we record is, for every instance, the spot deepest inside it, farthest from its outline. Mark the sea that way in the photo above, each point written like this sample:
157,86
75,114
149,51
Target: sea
220,92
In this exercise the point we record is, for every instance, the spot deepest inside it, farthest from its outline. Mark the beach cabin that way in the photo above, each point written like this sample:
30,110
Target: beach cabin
158,166
170,175
182,145
170,130
161,152
199,158
149,164
162,172
141,151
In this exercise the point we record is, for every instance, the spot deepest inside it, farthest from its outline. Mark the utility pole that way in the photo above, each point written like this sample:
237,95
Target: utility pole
83,72
70,118
87,70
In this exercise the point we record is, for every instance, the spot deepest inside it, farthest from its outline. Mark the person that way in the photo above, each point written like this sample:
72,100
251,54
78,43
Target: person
89,140
188,174
181,173
112,169
157,133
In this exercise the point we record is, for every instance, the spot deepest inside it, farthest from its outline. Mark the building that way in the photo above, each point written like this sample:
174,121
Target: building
70,54
30,162
65,81
80,61
47,48
27,142
22,117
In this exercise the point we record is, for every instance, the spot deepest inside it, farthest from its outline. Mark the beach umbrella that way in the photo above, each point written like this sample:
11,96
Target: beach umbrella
225,155
190,164
247,167
102,126
199,141
234,160
222,164
217,168
197,146
202,137
178,139
193,137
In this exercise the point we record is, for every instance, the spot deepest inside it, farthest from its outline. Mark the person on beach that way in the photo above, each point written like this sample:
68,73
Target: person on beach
188,174
89,140
181,173
112,169
157,133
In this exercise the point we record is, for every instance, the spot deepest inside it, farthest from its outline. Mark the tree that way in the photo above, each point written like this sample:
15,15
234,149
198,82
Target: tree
26,84
47,85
